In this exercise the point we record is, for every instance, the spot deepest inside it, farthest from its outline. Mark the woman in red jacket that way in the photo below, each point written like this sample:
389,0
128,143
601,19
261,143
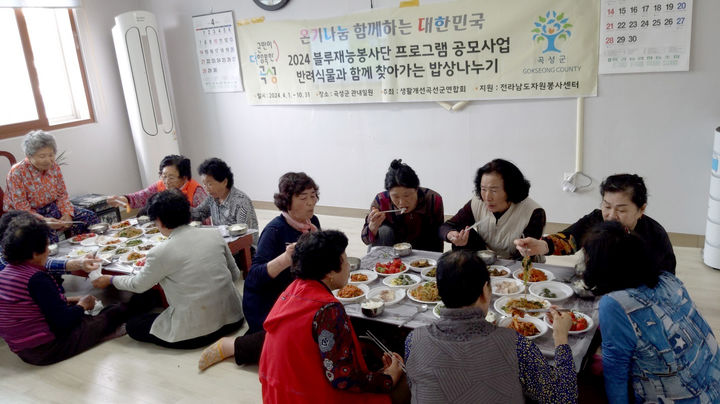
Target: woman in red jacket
311,352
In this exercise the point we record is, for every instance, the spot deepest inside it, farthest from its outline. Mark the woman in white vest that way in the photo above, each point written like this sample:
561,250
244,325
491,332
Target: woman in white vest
497,214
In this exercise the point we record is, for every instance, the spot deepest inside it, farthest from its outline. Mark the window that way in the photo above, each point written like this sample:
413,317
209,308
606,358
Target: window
42,76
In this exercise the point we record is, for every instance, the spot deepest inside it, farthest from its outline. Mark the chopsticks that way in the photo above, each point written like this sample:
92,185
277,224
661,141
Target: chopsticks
64,222
543,310
377,342
401,210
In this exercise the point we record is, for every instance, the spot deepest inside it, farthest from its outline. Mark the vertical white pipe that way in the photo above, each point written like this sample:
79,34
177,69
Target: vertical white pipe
579,132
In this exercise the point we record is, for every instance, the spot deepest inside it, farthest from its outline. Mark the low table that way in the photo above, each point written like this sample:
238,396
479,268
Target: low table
398,313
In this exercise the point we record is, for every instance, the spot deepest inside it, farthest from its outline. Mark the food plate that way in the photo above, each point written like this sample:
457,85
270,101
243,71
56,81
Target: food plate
499,271
390,296
139,264
429,274
107,256
158,238
364,288
130,257
429,287
560,290
144,248
110,240
576,317
81,252
436,309
393,267
503,301
539,324
404,281
419,264
89,241
80,237
506,286
133,242
129,233
549,275
371,276
108,249
120,225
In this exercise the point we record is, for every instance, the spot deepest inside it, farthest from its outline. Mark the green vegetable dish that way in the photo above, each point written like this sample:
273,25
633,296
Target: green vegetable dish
548,293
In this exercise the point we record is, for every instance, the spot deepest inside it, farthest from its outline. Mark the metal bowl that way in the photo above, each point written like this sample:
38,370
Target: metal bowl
237,229
99,228
143,219
402,249
488,256
53,248
354,263
372,307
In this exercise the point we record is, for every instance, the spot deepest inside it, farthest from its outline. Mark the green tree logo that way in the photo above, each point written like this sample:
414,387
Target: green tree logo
550,28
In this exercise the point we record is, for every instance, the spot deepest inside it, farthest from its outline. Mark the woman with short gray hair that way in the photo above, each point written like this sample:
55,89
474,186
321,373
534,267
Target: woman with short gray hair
36,185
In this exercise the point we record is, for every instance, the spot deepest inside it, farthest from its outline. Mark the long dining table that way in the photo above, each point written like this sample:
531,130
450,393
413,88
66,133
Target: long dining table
398,313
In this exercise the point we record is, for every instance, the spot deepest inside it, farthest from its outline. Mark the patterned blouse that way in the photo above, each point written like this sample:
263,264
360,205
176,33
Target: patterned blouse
236,208
331,329
30,189
139,199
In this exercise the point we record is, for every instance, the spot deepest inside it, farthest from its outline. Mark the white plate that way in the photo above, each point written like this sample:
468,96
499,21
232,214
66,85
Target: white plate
138,249
395,273
343,300
539,324
137,267
414,278
110,240
158,238
499,268
133,242
72,239
148,225
424,274
372,275
577,314
497,281
398,294
410,296
430,261
120,225
133,237
562,290
89,241
81,252
124,258
518,274
499,303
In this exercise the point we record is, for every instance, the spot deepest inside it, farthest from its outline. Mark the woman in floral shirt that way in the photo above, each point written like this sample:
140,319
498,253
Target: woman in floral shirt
36,185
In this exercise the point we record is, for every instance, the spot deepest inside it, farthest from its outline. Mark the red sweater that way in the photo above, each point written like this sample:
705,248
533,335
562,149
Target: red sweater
291,367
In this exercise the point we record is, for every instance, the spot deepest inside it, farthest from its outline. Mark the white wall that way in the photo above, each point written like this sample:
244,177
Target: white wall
100,156
657,125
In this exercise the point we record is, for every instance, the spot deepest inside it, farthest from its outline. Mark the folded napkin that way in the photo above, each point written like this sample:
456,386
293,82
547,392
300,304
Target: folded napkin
95,310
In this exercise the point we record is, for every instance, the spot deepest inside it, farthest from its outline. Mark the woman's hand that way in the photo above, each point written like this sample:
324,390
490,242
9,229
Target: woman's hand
53,223
561,325
87,302
531,246
86,264
67,219
393,366
102,282
459,238
375,220
117,200
281,262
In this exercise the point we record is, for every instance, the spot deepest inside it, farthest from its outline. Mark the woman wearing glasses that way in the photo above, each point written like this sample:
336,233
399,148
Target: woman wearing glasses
175,173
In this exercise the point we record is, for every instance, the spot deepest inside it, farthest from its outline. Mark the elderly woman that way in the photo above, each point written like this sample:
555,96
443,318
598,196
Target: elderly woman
56,267
227,204
196,271
464,359
175,173
654,339
624,199
499,212
311,351
405,212
37,321
269,275
36,185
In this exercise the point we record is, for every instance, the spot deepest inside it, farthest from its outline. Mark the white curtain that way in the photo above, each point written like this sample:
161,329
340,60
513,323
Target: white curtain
40,3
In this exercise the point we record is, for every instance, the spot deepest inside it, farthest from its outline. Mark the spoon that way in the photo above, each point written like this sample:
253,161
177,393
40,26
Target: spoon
420,309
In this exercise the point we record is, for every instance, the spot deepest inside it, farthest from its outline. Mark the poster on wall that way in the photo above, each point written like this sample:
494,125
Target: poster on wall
217,53
460,50
639,36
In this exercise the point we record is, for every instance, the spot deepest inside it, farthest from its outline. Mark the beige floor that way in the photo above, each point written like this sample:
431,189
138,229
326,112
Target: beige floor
126,371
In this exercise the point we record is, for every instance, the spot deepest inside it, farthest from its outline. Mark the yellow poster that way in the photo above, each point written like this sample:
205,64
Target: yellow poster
461,50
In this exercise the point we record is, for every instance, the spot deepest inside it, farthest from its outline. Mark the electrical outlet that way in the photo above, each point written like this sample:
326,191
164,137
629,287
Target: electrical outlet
568,182
567,177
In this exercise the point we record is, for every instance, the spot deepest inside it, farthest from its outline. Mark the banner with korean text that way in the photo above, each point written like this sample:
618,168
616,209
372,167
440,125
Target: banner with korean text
461,50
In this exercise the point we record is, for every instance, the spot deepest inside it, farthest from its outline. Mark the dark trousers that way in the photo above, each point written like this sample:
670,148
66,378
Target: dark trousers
249,347
138,328
87,334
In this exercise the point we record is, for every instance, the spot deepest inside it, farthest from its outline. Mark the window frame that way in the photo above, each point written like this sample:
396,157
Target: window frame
20,128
